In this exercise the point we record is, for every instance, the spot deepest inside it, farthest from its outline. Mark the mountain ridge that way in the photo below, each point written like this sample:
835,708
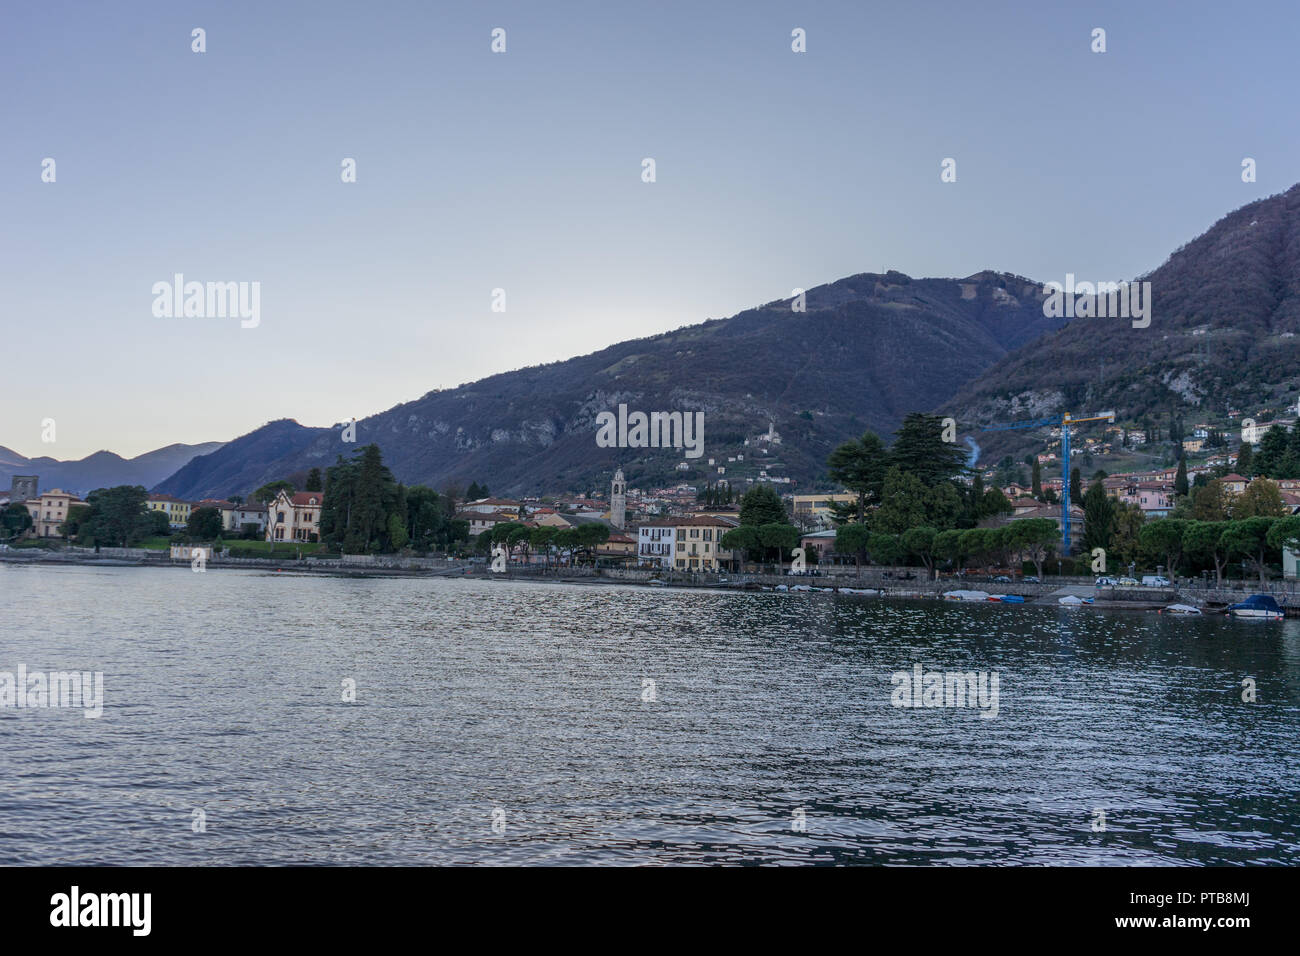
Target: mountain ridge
867,349
101,469
1224,335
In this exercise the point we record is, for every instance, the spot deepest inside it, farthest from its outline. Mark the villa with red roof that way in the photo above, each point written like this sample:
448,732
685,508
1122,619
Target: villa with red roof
294,517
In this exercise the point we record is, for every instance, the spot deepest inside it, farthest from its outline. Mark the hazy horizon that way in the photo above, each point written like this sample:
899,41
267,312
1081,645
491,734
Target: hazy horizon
522,170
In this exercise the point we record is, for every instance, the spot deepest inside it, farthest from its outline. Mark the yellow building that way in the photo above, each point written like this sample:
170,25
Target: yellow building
817,508
690,544
177,511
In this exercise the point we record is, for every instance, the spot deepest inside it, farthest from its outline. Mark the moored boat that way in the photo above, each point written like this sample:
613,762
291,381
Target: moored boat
1261,607
962,594
1179,609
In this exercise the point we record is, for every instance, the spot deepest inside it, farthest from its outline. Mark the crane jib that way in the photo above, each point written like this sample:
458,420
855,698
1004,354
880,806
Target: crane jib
1062,421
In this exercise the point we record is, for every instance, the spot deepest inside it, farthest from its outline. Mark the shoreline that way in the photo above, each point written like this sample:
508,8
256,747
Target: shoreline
1041,595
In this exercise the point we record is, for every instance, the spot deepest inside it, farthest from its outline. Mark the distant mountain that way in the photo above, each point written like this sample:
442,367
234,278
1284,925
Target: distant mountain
1224,334
103,469
867,350
242,465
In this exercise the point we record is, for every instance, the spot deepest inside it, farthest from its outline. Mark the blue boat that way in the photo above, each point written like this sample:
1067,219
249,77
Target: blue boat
1259,607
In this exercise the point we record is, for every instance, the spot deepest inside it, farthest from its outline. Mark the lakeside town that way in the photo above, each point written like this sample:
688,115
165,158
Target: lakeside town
913,511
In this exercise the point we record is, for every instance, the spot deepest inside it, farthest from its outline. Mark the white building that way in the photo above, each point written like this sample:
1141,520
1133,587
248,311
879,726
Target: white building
294,518
655,544
236,516
1254,433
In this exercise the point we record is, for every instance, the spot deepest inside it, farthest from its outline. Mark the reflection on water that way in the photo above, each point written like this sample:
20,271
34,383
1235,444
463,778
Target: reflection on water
223,692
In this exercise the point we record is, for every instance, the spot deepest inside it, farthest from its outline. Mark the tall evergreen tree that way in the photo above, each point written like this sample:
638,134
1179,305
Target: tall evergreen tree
1245,460
1098,515
374,499
761,505
1037,479
1180,479
860,466
919,448
1274,449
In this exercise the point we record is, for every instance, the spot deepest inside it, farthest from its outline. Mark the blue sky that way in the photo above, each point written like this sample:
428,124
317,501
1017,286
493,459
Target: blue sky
522,171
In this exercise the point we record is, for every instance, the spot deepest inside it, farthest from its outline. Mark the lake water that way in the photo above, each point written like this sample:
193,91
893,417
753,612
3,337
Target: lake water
504,723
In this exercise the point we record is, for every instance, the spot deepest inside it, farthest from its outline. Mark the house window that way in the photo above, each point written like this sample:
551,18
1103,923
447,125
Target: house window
279,517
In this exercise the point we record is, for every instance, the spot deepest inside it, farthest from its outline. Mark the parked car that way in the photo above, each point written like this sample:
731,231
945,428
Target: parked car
1032,579
1002,579
1127,582
1155,581
1105,582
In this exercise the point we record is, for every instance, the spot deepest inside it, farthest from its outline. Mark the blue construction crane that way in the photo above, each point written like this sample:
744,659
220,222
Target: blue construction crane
1062,421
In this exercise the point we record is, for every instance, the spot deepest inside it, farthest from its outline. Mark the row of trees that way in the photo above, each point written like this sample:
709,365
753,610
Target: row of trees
1191,546
116,517
765,530
715,496
573,543
367,511
1031,539
910,503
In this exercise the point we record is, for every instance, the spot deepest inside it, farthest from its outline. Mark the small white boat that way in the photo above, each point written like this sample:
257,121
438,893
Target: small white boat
1071,600
964,595
1179,609
858,591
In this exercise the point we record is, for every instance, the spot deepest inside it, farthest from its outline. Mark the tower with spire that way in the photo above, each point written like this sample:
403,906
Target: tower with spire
618,501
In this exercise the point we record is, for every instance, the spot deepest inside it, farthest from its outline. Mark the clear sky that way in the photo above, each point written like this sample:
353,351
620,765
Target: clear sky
522,171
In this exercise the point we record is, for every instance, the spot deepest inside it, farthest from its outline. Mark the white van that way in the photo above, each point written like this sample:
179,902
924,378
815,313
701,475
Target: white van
1155,581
